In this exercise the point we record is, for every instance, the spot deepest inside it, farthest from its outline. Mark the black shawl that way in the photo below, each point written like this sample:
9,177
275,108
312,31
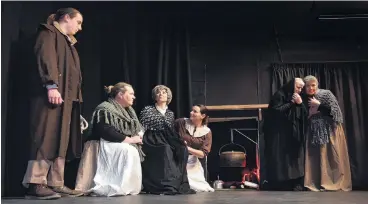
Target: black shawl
281,111
284,128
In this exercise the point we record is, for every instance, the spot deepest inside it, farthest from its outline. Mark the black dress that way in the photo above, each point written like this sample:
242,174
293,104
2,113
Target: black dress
284,128
164,167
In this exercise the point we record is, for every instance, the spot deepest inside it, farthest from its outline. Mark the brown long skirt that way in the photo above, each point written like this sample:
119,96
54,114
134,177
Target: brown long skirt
327,167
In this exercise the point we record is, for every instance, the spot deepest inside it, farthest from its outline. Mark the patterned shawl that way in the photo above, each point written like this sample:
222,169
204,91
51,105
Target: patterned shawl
123,119
322,125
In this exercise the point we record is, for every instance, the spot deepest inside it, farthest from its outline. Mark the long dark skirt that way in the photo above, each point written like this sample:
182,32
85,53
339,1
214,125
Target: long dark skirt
164,168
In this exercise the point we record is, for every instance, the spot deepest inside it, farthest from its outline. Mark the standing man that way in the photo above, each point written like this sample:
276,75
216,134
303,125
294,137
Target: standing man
284,137
55,98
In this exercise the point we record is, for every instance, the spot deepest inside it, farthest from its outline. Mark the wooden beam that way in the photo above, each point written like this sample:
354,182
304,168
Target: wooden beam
225,119
238,107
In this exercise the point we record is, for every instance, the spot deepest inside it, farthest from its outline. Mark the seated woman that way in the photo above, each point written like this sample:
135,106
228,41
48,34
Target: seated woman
327,165
164,167
198,138
116,128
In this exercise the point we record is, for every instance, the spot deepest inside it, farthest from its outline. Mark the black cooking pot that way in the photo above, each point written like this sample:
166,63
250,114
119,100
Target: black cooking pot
233,158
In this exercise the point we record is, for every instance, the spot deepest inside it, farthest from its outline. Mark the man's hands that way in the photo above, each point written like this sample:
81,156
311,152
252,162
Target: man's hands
54,97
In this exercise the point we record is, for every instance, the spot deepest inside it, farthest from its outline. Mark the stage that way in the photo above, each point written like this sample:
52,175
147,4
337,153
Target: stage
219,197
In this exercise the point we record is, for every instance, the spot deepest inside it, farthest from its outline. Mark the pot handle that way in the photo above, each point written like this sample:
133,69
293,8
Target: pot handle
232,143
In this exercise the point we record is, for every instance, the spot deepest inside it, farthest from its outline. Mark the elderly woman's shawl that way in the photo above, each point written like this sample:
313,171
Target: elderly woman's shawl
322,125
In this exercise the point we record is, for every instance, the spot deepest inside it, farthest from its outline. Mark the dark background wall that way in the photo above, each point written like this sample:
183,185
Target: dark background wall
237,41
231,46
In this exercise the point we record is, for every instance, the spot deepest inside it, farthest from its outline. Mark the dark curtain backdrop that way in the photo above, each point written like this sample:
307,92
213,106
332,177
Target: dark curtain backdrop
147,50
141,44
348,83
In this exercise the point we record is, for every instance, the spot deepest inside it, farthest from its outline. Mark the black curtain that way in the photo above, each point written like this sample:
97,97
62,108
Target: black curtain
347,82
142,43
17,37
147,50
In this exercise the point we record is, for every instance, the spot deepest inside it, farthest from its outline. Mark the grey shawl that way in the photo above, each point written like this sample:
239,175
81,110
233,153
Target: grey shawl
321,125
123,119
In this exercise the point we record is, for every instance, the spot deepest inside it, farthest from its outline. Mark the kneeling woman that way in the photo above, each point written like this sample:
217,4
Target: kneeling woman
116,131
198,138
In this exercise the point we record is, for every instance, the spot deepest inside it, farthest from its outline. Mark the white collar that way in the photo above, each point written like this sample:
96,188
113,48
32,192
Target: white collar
199,131
161,110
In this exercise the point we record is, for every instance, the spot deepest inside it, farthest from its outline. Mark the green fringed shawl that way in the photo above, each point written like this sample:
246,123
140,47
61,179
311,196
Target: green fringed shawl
123,119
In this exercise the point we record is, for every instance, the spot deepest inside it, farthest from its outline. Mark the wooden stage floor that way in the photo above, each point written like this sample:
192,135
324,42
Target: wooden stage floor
218,197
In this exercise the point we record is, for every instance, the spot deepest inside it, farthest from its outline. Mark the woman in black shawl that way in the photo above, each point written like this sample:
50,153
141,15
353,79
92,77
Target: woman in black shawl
284,127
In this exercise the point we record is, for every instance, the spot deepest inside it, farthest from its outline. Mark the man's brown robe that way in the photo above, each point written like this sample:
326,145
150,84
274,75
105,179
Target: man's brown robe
55,130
